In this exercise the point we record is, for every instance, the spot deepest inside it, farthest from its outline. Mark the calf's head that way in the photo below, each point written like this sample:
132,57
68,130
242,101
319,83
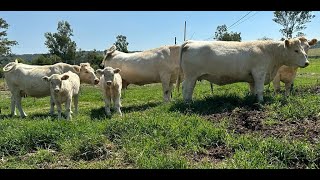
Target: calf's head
108,73
55,81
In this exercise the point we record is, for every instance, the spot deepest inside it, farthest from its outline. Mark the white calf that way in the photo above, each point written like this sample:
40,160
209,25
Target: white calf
111,84
63,88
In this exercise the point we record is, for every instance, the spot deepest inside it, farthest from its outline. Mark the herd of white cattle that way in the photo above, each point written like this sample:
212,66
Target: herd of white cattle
219,62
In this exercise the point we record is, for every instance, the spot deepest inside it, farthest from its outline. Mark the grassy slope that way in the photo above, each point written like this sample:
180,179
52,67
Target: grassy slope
152,134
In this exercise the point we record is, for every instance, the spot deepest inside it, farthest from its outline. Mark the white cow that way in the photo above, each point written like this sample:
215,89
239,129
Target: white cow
23,79
146,67
287,74
226,62
64,87
111,85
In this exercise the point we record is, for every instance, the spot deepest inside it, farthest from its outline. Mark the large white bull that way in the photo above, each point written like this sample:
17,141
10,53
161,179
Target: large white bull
146,67
226,62
26,80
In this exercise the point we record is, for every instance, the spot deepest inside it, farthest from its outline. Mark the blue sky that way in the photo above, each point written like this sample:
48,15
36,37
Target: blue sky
143,29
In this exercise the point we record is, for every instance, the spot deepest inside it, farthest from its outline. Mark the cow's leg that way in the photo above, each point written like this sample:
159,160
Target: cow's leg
59,109
288,88
68,108
51,106
117,104
76,101
276,84
187,88
259,79
13,106
18,104
107,102
252,90
165,80
211,87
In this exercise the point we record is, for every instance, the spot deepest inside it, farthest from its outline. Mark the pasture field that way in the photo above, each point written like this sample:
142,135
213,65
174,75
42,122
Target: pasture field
226,129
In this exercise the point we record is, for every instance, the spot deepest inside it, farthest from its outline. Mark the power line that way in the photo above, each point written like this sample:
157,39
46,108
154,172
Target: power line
247,19
237,21
240,19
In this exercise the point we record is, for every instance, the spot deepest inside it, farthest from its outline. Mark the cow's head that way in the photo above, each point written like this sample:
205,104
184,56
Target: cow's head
107,54
108,73
55,81
87,74
307,44
295,54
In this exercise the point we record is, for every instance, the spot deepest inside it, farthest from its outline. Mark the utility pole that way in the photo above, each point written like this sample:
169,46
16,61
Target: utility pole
185,27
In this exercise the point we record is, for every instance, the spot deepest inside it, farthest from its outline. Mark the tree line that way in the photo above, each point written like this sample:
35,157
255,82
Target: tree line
63,49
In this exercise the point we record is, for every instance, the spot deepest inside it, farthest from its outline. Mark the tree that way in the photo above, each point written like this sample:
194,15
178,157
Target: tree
60,43
5,44
222,34
292,21
94,58
121,43
300,34
264,38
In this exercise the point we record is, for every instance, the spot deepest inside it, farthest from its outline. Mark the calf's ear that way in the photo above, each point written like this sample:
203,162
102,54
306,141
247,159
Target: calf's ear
117,70
99,71
312,42
65,77
76,68
45,78
286,43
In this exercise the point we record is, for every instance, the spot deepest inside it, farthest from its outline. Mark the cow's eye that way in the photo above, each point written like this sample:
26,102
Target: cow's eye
296,51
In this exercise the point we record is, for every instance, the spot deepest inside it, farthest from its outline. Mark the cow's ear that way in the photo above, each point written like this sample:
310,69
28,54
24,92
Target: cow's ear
99,71
76,68
117,70
286,43
111,50
312,42
65,77
45,78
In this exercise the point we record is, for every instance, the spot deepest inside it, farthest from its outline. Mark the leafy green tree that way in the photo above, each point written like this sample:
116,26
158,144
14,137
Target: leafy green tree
222,34
121,43
46,60
60,43
5,44
292,21
264,38
94,58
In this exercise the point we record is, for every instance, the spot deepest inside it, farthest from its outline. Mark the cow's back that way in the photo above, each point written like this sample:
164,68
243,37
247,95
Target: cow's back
145,67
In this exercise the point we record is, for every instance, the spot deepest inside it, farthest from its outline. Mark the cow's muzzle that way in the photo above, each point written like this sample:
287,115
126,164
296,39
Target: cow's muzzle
109,83
306,64
96,81
56,90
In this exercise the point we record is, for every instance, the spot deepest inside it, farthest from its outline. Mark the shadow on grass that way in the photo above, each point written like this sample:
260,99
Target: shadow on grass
218,104
100,113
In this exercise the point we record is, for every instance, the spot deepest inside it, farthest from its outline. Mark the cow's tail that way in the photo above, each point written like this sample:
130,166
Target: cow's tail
10,66
180,71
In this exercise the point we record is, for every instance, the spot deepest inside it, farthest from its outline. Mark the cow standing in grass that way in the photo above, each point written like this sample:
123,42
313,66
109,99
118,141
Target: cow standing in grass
227,62
26,80
111,85
159,65
287,74
63,88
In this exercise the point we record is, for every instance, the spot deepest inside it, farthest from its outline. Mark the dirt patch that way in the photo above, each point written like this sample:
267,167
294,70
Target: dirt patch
214,154
243,121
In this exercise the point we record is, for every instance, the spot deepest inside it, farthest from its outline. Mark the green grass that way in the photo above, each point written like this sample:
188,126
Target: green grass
152,134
